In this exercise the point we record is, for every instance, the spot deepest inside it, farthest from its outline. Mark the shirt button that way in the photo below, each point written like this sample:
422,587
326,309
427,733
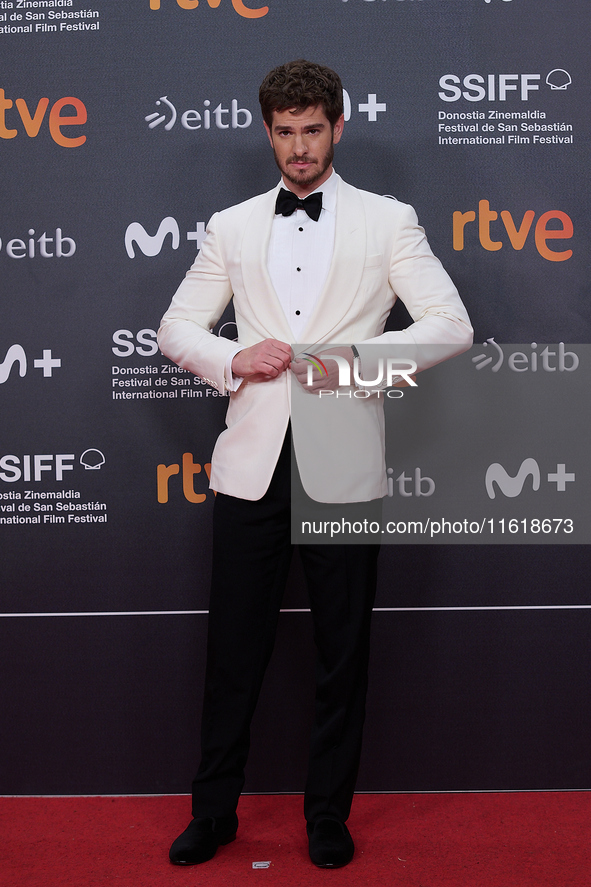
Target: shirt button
298,313
298,269
300,229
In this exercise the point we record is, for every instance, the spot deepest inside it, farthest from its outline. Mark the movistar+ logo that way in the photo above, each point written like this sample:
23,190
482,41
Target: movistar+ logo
16,354
511,486
151,244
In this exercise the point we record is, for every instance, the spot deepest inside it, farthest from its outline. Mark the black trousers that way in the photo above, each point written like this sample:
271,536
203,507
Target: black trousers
251,558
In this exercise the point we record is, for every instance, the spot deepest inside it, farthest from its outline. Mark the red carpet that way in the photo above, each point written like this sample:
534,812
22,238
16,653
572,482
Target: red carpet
461,840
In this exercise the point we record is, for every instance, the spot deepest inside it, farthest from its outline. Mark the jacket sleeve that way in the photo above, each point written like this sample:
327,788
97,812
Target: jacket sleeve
185,330
441,327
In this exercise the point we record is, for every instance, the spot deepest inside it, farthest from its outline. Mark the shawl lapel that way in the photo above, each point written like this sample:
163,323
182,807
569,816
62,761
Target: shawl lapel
258,289
346,270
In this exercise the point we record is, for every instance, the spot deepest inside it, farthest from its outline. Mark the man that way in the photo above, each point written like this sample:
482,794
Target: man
326,270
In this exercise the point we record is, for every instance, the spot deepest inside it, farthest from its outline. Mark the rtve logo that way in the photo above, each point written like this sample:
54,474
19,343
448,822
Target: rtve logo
373,1
562,229
190,469
151,244
32,120
239,7
16,354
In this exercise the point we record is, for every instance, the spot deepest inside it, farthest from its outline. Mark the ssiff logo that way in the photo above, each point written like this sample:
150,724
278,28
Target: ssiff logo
500,87
47,466
238,5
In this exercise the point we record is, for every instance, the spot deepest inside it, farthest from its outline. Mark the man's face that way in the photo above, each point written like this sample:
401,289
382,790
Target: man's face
302,143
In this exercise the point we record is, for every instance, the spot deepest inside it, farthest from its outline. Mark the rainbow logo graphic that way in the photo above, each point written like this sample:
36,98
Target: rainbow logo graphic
316,363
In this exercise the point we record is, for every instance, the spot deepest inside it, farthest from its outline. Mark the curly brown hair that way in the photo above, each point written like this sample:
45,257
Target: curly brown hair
300,85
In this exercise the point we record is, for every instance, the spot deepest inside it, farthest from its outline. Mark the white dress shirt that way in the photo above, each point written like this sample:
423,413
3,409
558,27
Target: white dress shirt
298,261
299,257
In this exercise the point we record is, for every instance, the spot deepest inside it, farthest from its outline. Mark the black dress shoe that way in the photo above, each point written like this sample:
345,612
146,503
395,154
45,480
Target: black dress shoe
330,844
201,839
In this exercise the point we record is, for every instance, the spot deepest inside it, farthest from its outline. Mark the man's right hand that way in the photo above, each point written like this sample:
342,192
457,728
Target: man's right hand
263,361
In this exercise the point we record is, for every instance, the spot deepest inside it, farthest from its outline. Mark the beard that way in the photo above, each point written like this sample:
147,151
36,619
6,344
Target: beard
305,177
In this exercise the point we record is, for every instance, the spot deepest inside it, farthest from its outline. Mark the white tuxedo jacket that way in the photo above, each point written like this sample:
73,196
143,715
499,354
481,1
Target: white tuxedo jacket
380,254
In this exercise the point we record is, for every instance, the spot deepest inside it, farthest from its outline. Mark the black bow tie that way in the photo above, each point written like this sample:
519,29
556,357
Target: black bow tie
287,203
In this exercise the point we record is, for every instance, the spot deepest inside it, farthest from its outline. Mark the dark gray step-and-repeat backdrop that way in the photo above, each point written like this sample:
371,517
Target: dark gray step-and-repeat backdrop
123,127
